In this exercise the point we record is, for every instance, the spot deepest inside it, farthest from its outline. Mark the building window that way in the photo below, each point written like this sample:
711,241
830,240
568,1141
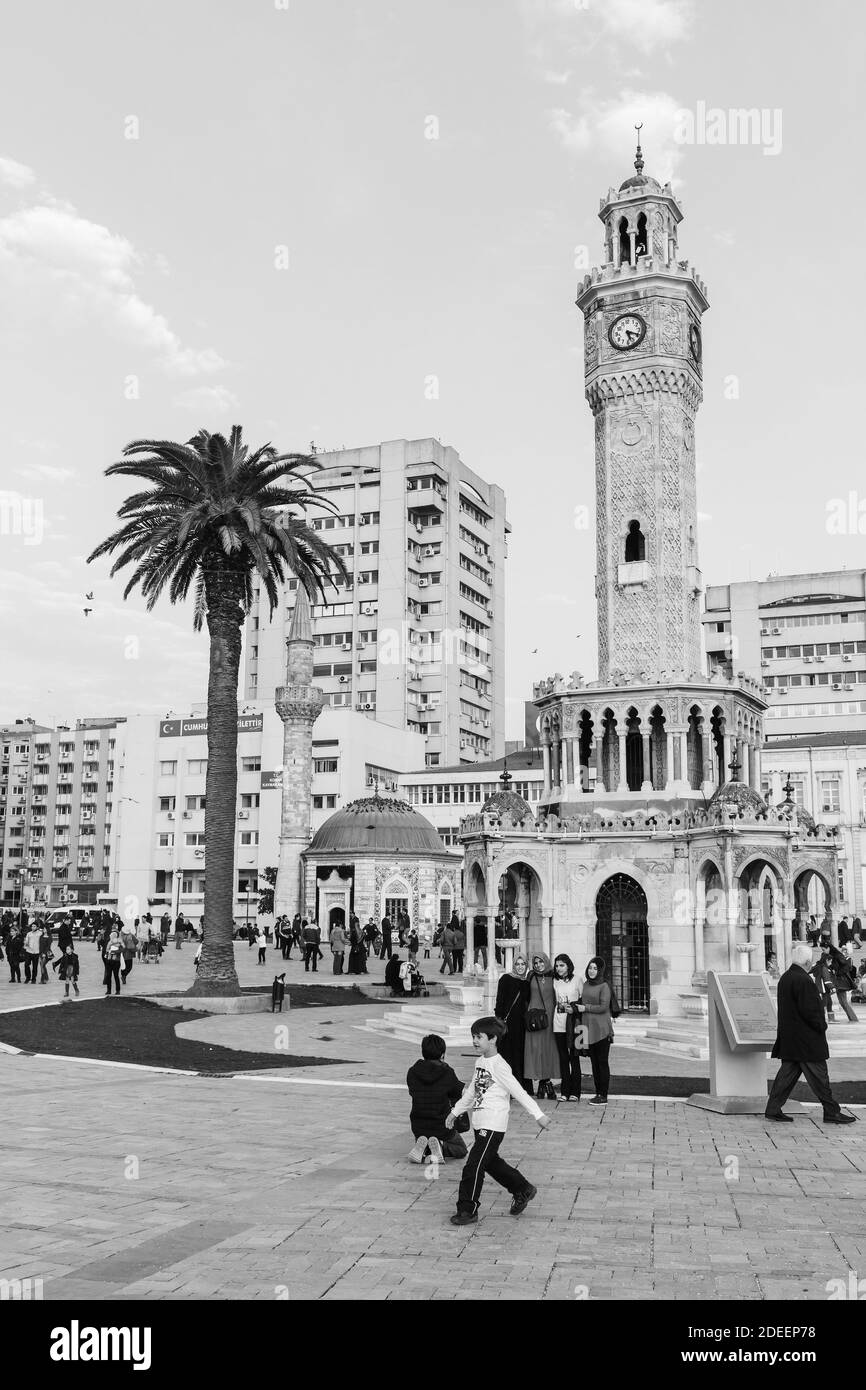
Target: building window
168,769
841,873
197,766
249,837
325,764
165,839
195,803
250,800
194,839
253,764
828,792
166,803
431,760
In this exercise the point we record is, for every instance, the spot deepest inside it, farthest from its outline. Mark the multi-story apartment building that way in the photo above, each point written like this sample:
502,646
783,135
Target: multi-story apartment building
415,640
57,794
828,777
159,854
446,794
803,637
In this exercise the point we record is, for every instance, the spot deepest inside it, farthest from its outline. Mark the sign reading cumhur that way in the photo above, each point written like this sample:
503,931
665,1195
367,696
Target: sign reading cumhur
177,728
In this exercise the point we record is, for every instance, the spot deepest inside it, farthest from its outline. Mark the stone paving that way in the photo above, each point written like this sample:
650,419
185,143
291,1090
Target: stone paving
118,1184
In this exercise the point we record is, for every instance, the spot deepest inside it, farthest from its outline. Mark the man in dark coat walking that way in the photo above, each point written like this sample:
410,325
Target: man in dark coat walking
801,1042
385,948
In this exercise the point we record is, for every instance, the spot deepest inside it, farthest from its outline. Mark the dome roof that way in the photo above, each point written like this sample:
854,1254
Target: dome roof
787,808
510,803
739,796
640,181
378,823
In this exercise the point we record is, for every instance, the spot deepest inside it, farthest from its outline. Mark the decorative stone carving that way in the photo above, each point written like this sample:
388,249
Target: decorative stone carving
590,343
670,329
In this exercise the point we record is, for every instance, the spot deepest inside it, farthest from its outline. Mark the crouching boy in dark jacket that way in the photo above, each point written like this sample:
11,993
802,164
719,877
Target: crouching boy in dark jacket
433,1087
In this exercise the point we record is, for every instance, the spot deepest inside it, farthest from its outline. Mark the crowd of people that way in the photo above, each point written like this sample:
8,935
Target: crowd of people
34,942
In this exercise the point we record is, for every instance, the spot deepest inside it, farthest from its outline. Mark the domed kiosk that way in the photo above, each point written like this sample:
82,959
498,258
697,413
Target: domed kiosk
376,857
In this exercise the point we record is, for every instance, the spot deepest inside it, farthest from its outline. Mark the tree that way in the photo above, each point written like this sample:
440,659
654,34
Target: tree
214,518
266,895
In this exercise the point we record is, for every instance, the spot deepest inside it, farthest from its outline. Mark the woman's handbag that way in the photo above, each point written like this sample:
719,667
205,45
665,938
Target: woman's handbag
536,1019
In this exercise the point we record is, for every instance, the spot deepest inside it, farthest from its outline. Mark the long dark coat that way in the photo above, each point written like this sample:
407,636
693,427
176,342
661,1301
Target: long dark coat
511,996
540,1055
802,1025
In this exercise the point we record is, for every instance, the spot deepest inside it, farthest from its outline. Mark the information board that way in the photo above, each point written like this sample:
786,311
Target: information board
746,1010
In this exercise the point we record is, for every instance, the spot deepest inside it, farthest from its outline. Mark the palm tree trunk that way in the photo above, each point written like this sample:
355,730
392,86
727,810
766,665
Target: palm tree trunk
216,973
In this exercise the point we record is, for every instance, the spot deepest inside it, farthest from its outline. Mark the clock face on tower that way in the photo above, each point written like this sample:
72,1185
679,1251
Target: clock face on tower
627,331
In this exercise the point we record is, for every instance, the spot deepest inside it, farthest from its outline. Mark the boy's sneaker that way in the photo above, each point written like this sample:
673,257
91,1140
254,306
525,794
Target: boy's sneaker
464,1218
522,1200
598,1100
417,1153
436,1154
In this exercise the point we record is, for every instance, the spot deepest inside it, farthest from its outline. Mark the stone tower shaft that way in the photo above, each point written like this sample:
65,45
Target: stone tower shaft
299,704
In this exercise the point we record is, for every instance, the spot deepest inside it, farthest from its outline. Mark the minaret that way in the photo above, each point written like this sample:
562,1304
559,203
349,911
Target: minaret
299,704
642,365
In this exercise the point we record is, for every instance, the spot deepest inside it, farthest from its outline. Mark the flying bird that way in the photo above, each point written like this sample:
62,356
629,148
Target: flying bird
88,596
87,611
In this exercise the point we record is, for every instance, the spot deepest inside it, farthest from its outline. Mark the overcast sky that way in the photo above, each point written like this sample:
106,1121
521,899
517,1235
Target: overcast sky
156,156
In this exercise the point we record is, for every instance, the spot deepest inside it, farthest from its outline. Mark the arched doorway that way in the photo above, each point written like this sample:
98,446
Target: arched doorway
520,909
622,939
336,918
813,904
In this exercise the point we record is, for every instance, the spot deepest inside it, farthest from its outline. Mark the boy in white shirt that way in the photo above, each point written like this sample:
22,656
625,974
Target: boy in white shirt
488,1096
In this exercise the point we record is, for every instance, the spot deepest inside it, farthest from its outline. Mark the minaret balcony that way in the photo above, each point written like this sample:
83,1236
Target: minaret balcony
694,578
632,572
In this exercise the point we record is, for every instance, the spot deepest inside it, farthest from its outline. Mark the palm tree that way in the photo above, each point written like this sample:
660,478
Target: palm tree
214,517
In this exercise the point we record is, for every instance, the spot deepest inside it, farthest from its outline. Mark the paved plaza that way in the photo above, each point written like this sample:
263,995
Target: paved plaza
294,1183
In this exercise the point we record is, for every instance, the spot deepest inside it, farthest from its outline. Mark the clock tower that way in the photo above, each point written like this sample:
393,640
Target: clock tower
642,364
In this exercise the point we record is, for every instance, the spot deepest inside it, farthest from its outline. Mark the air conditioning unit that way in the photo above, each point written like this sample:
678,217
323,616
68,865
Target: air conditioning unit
820,658
464,743
369,609
837,685
428,550
776,631
187,815
199,854
368,704
847,658
765,663
490,612
171,815
243,815
808,660
422,583
344,680
781,690
419,528
765,632
360,644
346,646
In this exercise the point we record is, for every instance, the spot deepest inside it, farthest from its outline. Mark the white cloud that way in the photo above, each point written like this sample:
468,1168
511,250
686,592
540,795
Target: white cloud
556,79
48,472
217,398
648,23
564,600
15,175
724,238
606,126
62,266
567,27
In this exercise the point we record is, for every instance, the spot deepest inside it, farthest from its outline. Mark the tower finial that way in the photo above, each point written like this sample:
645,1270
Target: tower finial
638,159
505,776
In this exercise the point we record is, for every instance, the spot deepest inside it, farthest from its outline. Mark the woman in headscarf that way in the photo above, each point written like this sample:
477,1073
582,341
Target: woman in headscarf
540,1057
392,976
594,1010
511,996
567,991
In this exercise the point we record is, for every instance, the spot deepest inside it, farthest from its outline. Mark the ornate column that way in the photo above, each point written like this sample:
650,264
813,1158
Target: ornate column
622,782
545,750
672,744
707,773
647,783
684,757
756,767
632,237
597,760
700,924
299,704
728,746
